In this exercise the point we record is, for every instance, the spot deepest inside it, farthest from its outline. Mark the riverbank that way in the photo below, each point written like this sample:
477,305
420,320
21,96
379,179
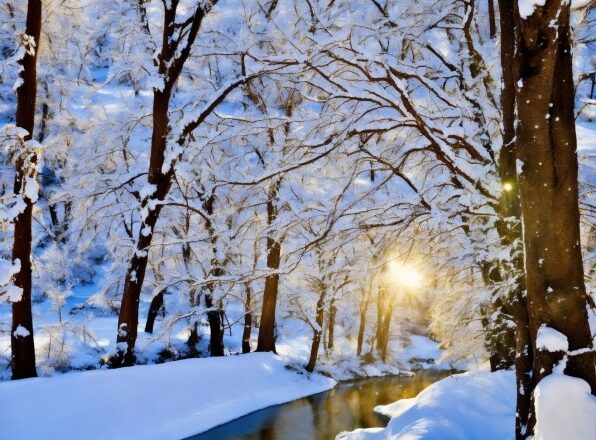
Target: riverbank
470,406
166,401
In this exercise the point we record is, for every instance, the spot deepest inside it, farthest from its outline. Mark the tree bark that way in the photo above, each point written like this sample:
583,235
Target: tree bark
361,329
22,346
546,140
266,338
247,321
129,310
169,63
154,308
510,208
492,25
385,329
331,325
317,331
215,316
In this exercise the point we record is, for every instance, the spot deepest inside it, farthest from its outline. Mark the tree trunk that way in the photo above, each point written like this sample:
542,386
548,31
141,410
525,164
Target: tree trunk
266,339
331,326
247,321
546,140
492,25
154,308
510,207
384,337
22,345
215,319
361,329
129,310
316,339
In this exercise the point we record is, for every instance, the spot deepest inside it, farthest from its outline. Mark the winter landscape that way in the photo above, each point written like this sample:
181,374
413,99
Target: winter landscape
298,219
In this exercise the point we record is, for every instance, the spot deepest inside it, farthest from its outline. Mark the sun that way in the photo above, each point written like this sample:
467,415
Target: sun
405,275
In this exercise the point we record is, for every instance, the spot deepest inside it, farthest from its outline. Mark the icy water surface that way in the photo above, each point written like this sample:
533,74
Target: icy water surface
322,416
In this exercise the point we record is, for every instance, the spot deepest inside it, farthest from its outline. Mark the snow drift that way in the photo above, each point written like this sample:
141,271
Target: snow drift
166,401
469,406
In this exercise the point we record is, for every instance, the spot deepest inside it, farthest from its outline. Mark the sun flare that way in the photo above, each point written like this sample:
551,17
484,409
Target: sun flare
405,275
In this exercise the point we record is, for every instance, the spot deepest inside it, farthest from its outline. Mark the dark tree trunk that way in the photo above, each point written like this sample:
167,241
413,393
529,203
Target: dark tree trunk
492,25
266,339
129,310
383,342
247,321
316,339
154,308
215,318
331,325
510,208
170,63
361,329
22,346
547,144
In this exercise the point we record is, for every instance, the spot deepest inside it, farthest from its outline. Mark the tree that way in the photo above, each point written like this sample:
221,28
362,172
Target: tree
178,39
548,183
25,186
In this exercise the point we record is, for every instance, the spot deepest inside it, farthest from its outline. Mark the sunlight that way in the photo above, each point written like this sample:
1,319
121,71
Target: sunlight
405,275
507,186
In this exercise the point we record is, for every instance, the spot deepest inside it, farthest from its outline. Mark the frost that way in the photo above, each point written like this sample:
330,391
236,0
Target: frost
21,332
551,340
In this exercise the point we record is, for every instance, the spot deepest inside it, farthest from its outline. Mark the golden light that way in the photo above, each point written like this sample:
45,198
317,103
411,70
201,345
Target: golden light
405,275
507,186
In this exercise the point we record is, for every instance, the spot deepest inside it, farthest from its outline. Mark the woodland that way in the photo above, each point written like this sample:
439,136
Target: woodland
351,185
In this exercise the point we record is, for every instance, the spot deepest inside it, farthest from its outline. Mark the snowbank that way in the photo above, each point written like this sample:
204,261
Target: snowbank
469,406
166,401
565,409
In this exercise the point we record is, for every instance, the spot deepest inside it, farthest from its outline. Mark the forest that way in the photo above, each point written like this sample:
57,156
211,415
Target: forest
211,207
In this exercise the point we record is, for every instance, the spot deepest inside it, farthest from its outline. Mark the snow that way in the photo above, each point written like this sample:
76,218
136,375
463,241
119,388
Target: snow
165,401
21,332
13,293
551,340
565,409
31,189
470,406
526,7
7,270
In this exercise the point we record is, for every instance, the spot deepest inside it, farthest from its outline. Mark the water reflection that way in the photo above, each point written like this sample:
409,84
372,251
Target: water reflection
322,416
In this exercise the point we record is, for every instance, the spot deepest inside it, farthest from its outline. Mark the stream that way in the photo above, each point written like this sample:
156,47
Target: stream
322,416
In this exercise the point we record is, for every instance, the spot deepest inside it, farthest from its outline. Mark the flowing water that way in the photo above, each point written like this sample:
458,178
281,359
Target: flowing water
322,416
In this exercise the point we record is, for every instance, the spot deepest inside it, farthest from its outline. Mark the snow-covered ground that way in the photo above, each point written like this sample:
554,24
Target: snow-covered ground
481,406
469,406
166,401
